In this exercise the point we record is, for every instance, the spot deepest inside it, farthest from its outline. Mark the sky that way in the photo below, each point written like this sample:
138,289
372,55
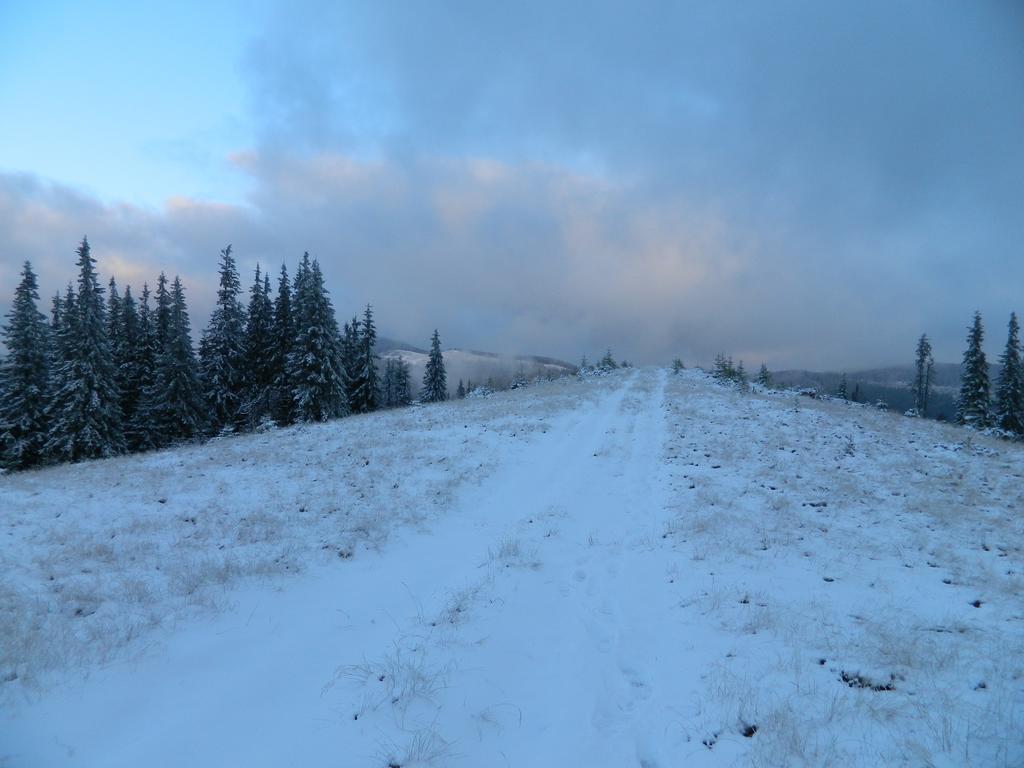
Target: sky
805,184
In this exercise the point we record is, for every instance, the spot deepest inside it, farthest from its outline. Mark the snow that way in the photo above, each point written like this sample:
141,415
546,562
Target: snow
640,569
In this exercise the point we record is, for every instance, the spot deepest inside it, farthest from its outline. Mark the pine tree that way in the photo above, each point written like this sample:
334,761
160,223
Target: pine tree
282,340
461,391
222,352
435,381
319,383
403,384
180,412
162,313
677,365
24,377
139,431
607,362
764,376
1009,411
366,385
387,384
923,377
973,402
84,412
349,345
130,380
842,392
740,374
259,371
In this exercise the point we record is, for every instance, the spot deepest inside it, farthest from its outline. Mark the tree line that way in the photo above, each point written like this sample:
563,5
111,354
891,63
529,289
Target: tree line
106,376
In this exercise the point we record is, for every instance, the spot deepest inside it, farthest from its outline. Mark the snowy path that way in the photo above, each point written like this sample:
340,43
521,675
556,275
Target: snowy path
537,648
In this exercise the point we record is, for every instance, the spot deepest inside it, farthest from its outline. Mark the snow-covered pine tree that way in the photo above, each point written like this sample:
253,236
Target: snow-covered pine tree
607,362
349,345
56,314
162,313
842,392
115,326
461,391
282,339
387,384
180,412
139,429
973,402
366,384
677,365
222,362
740,374
403,384
129,369
764,376
1009,410
319,385
435,381
258,373
84,413
923,376
24,377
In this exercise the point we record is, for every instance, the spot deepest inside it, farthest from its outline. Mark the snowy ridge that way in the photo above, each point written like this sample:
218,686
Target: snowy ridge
646,570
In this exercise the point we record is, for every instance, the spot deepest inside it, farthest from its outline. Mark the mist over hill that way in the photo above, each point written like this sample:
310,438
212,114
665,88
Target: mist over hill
490,369
890,384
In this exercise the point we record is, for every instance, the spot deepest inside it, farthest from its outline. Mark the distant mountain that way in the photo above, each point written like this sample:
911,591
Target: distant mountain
891,385
486,368
385,345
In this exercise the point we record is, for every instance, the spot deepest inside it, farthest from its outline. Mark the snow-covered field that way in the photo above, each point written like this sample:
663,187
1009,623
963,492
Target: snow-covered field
633,570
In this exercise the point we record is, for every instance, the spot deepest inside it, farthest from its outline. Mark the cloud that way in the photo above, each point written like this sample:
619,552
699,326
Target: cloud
809,184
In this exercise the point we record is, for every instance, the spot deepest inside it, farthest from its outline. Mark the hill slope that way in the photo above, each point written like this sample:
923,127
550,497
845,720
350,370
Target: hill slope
639,569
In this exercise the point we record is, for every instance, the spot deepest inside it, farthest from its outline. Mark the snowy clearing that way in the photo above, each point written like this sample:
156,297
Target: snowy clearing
634,570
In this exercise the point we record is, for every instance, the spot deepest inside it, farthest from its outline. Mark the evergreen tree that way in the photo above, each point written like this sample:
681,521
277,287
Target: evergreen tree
115,326
259,363
84,413
366,385
24,377
387,384
435,381
403,384
607,362
764,376
923,377
139,432
222,352
677,365
314,366
56,314
130,378
740,374
842,392
461,391
349,344
282,340
1010,387
973,402
162,313
180,411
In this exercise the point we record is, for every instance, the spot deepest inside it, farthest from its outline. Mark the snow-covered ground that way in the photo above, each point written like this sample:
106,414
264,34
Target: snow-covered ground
634,570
